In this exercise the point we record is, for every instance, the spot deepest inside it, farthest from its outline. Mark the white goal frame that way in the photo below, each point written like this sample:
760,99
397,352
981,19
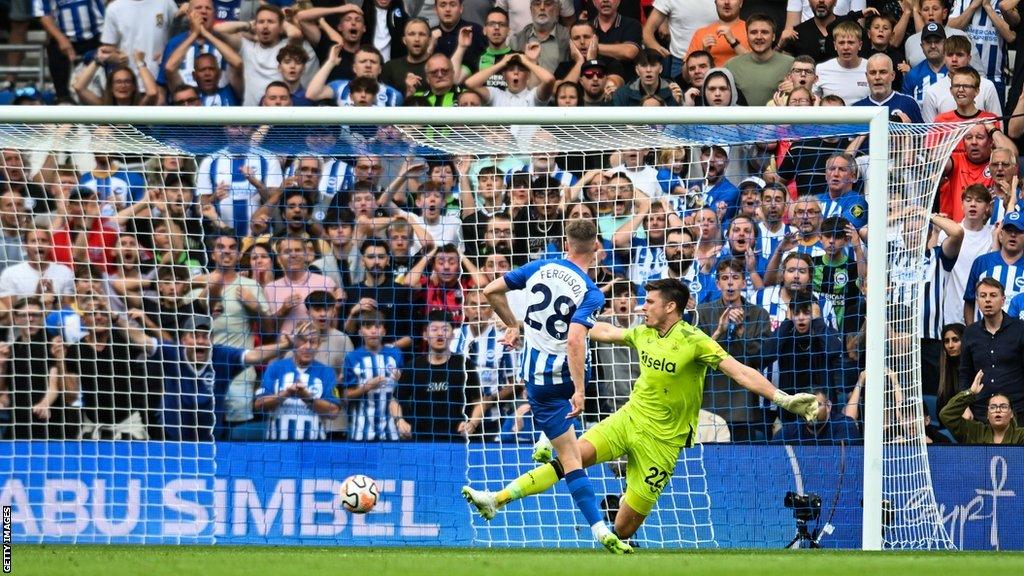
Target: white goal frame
877,119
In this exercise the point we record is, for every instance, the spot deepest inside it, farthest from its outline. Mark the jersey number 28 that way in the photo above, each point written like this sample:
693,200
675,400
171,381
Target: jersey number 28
558,315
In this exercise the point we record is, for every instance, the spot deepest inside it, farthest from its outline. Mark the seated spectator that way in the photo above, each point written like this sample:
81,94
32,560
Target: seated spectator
813,36
844,75
695,69
298,392
964,86
839,197
828,427
772,228
122,88
741,328
371,373
1000,427
438,392
585,48
949,364
716,191
440,74
206,74
32,379
1003,363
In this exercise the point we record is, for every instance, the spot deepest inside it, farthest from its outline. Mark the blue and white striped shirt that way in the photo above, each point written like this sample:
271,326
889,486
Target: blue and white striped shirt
559,294
222,97
770,298
768,241
985,37
369,416
992,265
387,96
188,63
79,20
647,263
493,363
243,198
924,276
116,190
293,419
563,177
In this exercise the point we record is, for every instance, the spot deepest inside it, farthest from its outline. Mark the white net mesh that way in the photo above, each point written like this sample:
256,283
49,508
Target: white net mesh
366,249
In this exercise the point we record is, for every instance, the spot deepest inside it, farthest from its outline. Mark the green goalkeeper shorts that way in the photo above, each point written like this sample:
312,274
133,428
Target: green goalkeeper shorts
650,462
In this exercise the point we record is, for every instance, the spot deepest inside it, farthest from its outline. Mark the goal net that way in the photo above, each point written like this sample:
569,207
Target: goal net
208,328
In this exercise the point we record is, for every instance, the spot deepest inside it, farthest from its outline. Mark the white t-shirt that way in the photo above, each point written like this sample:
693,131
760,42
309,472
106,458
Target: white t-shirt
684,18
144,25
842,7
261,68
447,230
22,280
519,12
850,84
381,36
915,54
644,179
975,244
938,99
501,97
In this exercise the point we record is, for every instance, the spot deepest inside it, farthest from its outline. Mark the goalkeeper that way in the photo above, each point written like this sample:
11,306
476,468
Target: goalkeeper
661,416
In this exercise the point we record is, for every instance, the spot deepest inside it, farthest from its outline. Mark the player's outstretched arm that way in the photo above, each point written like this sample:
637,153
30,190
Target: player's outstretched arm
805,405
605,332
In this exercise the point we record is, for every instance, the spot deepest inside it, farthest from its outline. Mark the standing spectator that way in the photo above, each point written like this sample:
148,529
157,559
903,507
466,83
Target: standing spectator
333,348
297,392
516,69
134,26
993,346
741,328
442,287
258,42
540,221
371,373
1004,265
449,26
73,29
13,220
796,279
434,393
349,32
949,364
838,272
724,38
617,367
196,376
416,39
930,69
968,166
385,20
937,12
379,293
207,75
366,64
881,75
619,37
839,198
32,378
1001,427
497,31
717,192
648,82
772,227
827,427
964,86
39,275
287,294
441,89
683,19
938,97
519,14
845,75
989,32
696,68
545,30
759,72
179,56
813,36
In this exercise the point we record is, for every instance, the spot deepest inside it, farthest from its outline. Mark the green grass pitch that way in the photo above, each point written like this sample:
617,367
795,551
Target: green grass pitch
52,560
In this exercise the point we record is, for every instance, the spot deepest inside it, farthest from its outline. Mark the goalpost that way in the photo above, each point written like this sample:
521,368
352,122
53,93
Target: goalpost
903,168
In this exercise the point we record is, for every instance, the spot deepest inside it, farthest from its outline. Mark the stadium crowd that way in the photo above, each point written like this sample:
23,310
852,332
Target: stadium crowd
251,294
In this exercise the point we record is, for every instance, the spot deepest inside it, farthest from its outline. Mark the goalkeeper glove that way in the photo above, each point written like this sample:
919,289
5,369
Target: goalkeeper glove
805,405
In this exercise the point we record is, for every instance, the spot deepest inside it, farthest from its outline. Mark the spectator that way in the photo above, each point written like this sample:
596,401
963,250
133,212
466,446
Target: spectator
438,392
32,379
179,56
885,33
937,12
287,294
838,272
840,199
196,376
989,32
827,427
796,279
385,20
741,241
741,328
697,65
1001,426
969,165
759,72
964,85
39,275
617,367
371,373
334,347
932,67
717,192
881,76
258,42
140,30
496,30
517,70
441,89
16,177
298,392
545,30
812,37
1002,365
441,288
949,364
397,70
719,89
121,86
347,29
539,221
772,227
725,37
83,235
206,74
1006,189
277,93
72,29
291,63
619,37
366,64
493,365
1000,264
809,353
938,97
845,75
379,293
683,19
520,13
450,24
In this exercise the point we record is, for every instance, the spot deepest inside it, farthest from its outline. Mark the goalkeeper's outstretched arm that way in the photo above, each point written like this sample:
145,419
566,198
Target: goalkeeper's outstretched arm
805,405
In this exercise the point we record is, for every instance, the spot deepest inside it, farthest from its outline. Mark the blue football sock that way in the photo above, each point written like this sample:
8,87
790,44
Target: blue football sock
583,495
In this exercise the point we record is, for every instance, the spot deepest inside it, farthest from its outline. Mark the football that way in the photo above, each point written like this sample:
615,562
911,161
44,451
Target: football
359,494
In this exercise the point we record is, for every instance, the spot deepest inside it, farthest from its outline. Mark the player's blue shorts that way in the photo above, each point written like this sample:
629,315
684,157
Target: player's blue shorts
550,405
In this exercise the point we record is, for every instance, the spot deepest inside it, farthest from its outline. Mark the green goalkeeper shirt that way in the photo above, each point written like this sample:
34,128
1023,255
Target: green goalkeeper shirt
666,399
